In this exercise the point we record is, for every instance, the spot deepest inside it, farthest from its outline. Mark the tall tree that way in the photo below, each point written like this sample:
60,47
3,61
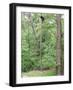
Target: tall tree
58,50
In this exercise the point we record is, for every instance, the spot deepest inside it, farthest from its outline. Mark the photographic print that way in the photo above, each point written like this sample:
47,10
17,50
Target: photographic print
42,44
40,39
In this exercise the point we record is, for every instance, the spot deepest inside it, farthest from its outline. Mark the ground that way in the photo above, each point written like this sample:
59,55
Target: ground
39,73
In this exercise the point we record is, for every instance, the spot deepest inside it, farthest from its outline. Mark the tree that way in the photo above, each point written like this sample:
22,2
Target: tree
58,62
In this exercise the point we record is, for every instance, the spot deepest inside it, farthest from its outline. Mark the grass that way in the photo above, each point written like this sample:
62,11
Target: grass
39,73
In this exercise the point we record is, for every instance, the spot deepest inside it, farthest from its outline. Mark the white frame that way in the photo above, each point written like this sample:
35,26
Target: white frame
20,79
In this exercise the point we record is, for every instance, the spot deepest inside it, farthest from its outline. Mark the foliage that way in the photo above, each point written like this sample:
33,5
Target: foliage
38,41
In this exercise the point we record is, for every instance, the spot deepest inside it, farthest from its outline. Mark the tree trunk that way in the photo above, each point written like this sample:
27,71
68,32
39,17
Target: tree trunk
32,25
58,49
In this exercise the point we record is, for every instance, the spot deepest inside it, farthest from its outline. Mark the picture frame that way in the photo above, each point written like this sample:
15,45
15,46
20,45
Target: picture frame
17,11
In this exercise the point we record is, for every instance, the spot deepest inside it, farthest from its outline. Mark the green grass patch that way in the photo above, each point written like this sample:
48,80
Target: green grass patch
39,73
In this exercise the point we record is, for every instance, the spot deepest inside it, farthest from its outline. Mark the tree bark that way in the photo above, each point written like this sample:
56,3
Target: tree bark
41,48
58,49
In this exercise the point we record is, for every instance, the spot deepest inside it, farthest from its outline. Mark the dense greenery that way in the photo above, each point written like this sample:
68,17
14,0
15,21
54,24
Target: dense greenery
38,41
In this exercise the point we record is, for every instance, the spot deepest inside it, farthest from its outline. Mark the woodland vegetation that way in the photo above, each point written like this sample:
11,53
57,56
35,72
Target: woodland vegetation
42,44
